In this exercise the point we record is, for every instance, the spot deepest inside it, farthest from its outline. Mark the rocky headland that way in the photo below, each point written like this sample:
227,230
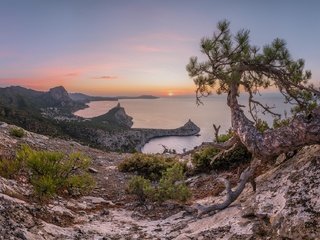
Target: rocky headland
51,113
285,205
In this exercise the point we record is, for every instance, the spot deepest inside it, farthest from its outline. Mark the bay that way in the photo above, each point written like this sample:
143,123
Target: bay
173,112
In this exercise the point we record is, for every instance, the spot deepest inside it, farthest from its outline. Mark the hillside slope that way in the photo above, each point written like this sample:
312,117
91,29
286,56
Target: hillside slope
285,206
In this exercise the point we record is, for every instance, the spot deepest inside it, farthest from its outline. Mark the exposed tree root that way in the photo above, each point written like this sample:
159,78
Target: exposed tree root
231,195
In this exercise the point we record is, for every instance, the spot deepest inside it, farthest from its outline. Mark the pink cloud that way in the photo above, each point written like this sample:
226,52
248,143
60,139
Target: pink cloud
106,77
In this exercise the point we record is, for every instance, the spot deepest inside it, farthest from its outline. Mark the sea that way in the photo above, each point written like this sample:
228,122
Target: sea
174,112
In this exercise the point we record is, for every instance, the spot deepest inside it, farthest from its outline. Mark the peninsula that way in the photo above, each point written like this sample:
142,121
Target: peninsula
51,113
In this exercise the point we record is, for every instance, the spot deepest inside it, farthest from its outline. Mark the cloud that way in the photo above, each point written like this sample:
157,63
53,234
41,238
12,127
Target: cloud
106,77
72,74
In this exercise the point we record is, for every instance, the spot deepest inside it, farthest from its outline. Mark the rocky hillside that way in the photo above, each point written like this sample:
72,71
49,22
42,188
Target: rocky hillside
285,206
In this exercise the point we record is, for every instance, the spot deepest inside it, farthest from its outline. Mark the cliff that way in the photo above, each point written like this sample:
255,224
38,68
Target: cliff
135,138
285,206
117,115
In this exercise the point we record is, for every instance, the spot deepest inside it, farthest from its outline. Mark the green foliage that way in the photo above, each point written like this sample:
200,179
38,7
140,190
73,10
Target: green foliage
224,137
10,167
231,159
17,132
277,123
172,186
80,184
45,186
230,60
201,160
53,172
147,165
261,125
140,187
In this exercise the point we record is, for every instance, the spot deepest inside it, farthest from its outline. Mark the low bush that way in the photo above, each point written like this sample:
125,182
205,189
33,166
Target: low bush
210,158
225,137
9,168
148,165
51,173
140,187
201,160
17,132
171,186
231,159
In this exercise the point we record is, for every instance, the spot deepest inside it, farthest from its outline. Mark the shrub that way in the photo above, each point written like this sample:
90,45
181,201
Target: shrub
17,132
201,160
225,137
10,167
172,186
80,184
45,186
53,172
231,159
140,187
147,165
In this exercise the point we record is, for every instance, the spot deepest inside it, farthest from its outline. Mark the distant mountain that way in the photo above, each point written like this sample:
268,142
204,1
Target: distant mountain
80,97
138,97
23,98
51,113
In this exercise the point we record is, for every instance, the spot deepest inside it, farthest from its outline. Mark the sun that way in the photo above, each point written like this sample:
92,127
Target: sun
170,94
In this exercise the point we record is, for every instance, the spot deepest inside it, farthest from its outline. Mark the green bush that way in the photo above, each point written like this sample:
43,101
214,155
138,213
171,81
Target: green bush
10,167
17,132
53,172
80,184
225,137
171,186
45,186
231,159
147,165
140,187
201,160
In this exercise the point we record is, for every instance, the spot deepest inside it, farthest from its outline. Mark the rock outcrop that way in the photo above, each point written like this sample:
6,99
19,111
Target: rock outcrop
60,96
135,138
285,205
121,116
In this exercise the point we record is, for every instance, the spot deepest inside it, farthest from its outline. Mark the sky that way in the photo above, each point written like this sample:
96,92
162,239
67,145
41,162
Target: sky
133,47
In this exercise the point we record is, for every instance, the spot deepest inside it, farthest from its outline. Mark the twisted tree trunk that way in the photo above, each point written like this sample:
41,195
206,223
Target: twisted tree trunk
301,131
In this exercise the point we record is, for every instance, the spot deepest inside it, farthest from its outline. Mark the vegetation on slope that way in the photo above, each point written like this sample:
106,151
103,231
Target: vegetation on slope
50,172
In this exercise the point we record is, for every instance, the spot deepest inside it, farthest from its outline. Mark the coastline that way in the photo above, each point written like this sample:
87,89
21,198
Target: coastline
128,139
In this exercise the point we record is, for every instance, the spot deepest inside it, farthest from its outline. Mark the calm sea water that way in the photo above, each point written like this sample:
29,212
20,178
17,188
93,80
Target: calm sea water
174,112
